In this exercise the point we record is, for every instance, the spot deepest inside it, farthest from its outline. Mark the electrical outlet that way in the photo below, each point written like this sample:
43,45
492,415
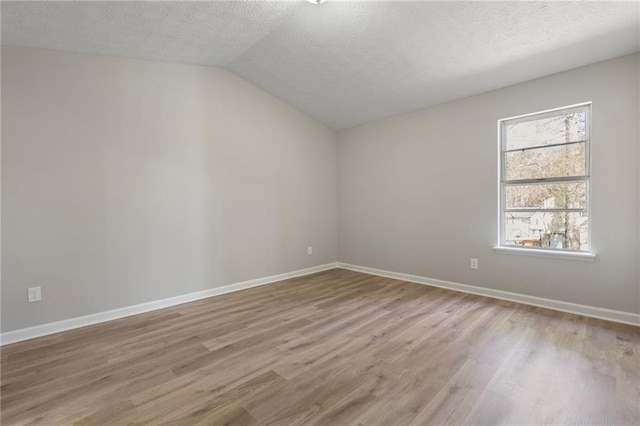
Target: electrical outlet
34,294
309,251
474,263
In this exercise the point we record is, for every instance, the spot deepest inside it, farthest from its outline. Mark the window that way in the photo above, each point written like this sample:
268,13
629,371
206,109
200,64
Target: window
544,181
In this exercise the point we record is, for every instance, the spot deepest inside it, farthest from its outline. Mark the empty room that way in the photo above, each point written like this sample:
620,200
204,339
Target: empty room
314,212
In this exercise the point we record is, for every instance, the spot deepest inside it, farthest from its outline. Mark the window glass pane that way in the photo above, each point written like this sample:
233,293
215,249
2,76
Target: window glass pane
566,195
562,230
547,131
557,161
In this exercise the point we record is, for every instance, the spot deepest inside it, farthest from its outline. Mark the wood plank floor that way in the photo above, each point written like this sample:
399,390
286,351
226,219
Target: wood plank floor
334,348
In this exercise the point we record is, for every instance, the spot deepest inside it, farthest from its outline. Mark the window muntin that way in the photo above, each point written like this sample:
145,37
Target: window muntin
544,180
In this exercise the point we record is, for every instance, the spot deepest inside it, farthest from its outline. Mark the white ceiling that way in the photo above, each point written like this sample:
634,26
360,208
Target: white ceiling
344,62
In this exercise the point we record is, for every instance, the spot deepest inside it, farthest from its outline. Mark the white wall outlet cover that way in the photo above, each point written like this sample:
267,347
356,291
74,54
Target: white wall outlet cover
473,264
34,294
309,250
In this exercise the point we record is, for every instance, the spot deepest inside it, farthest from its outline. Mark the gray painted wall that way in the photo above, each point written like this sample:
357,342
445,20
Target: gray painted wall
126,181
418,192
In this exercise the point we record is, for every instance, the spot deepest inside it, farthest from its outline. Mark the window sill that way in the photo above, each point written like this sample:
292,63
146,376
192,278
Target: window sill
553,254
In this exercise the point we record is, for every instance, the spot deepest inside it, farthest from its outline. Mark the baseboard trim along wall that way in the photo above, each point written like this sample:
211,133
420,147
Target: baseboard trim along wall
557,305
73,323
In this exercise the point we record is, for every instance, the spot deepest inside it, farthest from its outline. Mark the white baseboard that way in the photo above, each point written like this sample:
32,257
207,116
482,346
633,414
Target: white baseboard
574,308
72,323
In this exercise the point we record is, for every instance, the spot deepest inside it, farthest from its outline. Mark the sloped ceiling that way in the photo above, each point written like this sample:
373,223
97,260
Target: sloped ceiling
343,62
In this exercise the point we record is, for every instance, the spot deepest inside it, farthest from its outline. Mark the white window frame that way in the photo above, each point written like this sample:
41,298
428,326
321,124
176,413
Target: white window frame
502,247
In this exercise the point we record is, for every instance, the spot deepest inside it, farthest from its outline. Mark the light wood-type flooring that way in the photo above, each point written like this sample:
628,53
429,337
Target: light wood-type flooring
334,348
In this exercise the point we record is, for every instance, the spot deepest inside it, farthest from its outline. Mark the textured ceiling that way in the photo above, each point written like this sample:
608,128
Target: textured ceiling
343,62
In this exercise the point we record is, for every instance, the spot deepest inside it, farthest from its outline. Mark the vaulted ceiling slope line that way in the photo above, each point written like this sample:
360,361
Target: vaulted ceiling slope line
343,62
